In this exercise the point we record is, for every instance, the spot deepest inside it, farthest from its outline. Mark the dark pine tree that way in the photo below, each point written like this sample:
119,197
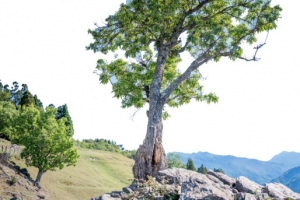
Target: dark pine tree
190,165
202,169
62,111
38,102
27,99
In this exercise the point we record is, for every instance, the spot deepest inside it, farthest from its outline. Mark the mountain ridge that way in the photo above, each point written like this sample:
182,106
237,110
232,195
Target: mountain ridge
254,169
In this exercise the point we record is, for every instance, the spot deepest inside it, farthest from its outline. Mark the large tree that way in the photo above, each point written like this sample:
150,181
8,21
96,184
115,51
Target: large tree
47,146
155,33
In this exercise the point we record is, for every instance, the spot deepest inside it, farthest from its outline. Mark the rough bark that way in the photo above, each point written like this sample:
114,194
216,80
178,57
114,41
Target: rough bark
38,178
150,157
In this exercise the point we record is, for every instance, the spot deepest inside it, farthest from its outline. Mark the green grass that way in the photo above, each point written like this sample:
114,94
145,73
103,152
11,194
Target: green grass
95,173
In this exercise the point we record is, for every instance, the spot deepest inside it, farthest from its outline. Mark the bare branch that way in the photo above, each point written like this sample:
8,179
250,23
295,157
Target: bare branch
254,58
132,116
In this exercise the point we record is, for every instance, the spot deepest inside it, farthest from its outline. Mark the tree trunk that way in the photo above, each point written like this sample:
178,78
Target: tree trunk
150,157
38,178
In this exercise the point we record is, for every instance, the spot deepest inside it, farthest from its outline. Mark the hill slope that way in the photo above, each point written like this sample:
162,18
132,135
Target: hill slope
96,172
256,170
291,179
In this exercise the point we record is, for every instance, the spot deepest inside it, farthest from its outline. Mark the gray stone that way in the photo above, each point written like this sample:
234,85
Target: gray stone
245,185
127,190
198,186
246,196
189,185
223,177
108,197
262,196
279,191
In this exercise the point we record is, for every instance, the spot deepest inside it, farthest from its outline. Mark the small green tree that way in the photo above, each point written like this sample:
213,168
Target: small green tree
47,146
190,165
202,169
174,160
219,170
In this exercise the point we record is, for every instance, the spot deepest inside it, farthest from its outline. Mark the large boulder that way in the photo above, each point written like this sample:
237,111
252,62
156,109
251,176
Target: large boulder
279,191
245,185
223,177
197,186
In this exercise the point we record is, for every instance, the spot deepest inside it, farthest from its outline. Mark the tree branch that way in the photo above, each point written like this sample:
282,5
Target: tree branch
254,58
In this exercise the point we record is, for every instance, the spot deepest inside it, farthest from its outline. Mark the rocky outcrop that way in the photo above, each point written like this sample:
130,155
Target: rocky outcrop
279,191
183,184
245,185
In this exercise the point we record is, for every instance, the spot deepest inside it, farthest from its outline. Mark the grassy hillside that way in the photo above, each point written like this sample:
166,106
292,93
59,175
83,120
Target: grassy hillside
96,172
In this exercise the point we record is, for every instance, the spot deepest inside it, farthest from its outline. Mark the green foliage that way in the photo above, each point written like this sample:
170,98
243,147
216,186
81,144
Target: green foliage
27,99
4,92
15,93
8,114
13,180
105,145
129,153
99,144
190,165
47,146
219,170
63,113
174,160
19,97
143,30
38,102
202,169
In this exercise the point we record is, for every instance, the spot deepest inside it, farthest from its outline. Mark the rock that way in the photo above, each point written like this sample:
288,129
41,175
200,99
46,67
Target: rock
262,196
116,194
184,184
279,191
245,196
41,195
197,186
223,177
127,190
245,185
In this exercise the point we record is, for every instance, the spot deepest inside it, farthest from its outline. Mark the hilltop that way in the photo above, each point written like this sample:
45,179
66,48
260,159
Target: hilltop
96,172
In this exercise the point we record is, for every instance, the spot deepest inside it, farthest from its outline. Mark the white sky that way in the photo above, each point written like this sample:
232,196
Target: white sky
42,44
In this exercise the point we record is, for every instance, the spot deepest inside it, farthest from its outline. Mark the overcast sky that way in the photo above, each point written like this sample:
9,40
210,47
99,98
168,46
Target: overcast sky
42,44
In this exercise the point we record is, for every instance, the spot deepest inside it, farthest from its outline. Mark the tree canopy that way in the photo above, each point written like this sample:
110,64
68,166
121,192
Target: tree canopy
210,29
47,146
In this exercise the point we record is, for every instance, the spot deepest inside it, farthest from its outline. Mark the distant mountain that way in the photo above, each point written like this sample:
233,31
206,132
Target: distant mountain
291,179
290,159
256,170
